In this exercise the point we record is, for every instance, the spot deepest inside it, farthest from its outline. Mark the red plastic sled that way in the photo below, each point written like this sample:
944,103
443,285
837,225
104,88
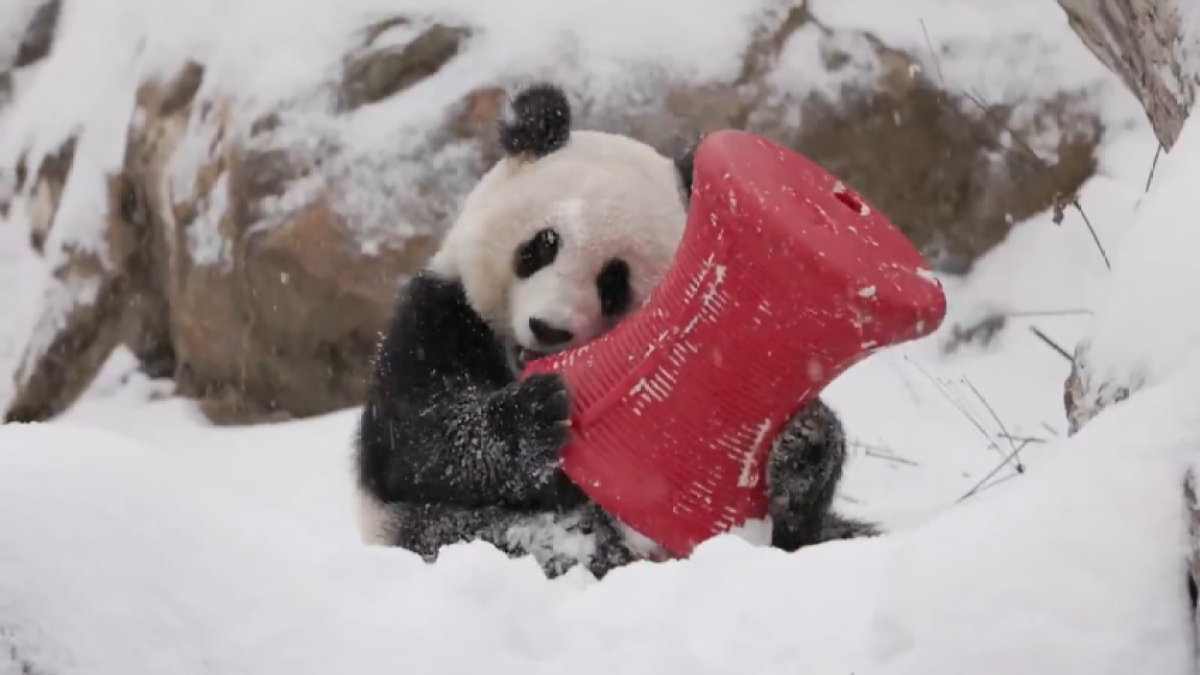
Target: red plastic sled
784,279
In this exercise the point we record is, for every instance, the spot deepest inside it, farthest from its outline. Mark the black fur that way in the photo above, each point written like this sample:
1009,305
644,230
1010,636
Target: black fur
685,167
803,472
447,423
613,286
459,449
537,253
538,122
425,528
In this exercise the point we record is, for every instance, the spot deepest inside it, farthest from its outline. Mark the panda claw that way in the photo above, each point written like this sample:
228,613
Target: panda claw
543,409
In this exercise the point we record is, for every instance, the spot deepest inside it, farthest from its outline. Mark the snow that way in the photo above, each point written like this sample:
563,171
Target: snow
14,15
1079,568
193,561
204,236
1187,48
21,273
145,540
1150,280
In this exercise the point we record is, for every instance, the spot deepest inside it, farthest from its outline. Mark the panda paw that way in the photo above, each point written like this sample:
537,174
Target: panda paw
543,412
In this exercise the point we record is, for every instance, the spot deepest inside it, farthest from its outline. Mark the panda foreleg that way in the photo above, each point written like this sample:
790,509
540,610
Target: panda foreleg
501,448
446,422
557,540
803,473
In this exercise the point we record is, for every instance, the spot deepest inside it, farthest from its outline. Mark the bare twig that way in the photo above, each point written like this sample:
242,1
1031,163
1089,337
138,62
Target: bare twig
1153,166
1049,312
1052,344
912,391
1051,429
1003,431
882,452
1023,439
996,482
991,442
937,64
890,458
1092,231
985,330
995,471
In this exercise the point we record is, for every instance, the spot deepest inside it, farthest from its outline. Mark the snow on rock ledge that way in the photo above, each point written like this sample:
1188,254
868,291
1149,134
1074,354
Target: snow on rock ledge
238,205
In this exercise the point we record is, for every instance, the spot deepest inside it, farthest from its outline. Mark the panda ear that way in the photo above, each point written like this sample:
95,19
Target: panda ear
536,122
685,166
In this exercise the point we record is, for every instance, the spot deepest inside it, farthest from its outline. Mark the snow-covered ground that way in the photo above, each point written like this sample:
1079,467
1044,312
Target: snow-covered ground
137,539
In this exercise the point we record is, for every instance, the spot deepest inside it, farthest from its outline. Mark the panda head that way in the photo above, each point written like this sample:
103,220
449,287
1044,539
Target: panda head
568,233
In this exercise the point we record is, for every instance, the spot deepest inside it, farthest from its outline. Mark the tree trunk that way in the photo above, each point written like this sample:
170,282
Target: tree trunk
1150,44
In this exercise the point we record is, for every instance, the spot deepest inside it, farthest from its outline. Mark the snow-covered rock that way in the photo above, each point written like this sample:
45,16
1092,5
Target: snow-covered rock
234,190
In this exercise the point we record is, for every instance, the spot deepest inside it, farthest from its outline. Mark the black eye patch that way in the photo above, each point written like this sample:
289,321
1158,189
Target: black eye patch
536,253
613,285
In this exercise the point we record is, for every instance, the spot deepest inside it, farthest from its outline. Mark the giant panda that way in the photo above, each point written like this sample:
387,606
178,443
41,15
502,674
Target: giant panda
562,239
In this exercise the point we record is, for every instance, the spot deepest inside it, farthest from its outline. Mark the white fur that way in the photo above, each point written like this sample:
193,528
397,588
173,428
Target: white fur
608,196
375,522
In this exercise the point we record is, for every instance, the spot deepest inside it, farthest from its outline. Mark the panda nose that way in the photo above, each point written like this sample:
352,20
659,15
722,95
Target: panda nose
548,335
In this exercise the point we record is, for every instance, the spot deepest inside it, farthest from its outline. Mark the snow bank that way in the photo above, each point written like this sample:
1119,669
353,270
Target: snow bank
1146,327
122,564
1079,567
116,566
130,558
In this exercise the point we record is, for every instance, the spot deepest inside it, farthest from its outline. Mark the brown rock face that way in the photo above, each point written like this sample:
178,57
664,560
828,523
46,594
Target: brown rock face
236,267
88,304
34,45
936,162
936,166
98,301
39,34
376,73
290,328
280,321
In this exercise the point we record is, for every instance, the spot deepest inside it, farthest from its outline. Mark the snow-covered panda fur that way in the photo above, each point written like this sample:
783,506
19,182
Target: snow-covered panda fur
561,240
